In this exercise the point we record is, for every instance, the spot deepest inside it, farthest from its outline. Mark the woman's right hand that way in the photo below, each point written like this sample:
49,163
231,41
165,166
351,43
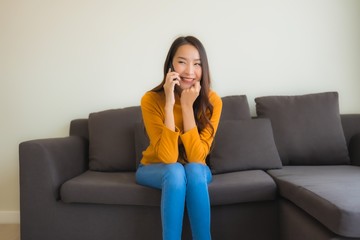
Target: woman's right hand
172,79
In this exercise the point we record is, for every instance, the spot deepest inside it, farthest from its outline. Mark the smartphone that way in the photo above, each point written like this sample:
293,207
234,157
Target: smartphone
171,67
177,87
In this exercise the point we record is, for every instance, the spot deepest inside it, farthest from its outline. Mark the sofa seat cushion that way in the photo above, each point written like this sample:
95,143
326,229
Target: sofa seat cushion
242,187
328,193
108,188
121,188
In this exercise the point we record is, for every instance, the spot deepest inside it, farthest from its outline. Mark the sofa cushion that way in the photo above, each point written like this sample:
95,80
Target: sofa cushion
241,187
109,188
121,188
307,128
244,145
111,139
235,107
328,193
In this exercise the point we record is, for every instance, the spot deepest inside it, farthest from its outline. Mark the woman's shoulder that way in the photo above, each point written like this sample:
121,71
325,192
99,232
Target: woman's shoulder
152,97
214,98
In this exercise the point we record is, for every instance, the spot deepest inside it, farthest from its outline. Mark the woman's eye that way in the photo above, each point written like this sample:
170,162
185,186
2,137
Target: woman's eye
198,64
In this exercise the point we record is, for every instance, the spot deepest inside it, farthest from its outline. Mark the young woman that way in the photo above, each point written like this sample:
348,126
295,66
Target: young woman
181,116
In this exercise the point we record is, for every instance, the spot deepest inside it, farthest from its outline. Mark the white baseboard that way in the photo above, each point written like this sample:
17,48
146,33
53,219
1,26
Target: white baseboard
8,217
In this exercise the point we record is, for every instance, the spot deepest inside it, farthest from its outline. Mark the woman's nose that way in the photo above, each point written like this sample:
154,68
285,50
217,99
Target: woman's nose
189,69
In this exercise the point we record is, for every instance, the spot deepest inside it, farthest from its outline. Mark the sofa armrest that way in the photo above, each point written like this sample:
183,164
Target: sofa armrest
46,164
351,125
354,149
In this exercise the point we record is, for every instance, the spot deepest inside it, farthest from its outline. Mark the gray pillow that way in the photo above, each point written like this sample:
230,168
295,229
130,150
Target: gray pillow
307,128
111,139
235,107
244,145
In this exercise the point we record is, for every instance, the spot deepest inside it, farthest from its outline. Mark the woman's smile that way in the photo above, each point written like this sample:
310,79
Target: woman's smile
186,82
187,79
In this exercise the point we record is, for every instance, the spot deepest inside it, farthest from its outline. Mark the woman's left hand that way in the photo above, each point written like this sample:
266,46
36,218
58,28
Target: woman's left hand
188,96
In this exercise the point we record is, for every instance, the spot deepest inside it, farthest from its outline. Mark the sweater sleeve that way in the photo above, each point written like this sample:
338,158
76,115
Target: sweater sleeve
162,139
197,145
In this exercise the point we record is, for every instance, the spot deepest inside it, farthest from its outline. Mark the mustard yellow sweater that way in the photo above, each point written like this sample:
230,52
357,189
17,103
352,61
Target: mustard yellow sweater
164,143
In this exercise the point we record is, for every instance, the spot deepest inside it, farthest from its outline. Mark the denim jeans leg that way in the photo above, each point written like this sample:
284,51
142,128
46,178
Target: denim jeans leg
197,199
171,179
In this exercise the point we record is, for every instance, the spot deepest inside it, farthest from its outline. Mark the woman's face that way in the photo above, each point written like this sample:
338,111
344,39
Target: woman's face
187,64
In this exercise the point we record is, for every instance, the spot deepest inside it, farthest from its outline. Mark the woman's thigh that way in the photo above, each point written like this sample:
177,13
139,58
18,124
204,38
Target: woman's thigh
152,175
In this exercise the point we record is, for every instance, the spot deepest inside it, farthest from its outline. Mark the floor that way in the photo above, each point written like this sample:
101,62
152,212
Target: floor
9,232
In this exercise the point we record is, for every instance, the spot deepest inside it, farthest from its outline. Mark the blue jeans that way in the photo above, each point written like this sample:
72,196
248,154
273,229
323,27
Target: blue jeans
180,183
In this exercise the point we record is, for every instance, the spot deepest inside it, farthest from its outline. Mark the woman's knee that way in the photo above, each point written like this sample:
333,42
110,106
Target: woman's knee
175,174
197,172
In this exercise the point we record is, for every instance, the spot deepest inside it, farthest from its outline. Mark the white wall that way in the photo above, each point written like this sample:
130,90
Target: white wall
61,60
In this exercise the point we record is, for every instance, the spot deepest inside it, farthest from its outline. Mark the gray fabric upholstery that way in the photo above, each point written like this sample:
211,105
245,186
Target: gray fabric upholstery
307,128
121,188
241,187
350,124
108,188
233,222
80,128
354,149
298,225
250,143
235,108
111,137
328,193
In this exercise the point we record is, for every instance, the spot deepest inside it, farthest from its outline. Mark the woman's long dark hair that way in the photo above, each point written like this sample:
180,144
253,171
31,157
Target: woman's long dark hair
203,109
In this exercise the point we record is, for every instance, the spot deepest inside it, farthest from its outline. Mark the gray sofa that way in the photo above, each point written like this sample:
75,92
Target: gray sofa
289,173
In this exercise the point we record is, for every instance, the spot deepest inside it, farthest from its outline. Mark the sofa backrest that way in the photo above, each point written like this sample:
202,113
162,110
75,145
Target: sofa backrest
112,141
350,124
307,128
111,133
